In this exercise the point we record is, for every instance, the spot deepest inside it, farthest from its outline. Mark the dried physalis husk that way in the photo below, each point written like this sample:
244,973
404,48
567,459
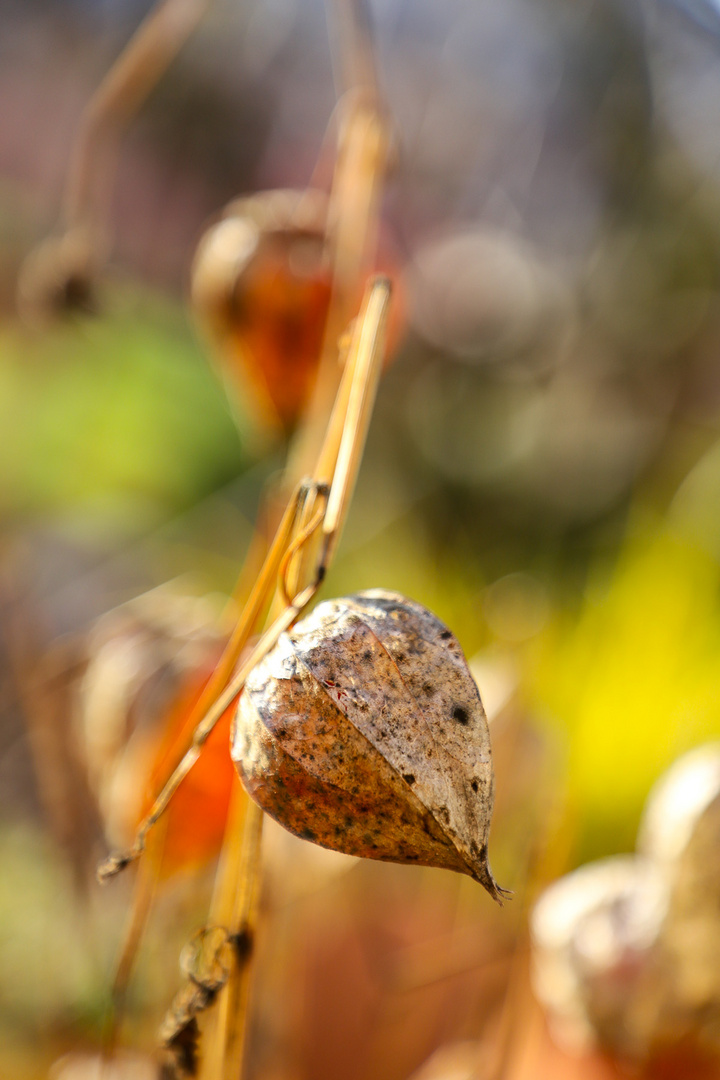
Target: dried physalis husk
144,658
594,935
261,285
627,950
680,833
364,732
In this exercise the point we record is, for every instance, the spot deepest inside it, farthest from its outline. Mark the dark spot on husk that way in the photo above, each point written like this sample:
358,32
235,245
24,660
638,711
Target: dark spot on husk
408,778
474,785
461,715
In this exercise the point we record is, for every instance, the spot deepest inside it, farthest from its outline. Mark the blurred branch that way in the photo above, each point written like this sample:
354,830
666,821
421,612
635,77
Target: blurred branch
351,46
130,80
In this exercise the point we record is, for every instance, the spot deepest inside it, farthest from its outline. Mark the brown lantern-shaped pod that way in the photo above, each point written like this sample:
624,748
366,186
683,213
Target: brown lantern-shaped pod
363,731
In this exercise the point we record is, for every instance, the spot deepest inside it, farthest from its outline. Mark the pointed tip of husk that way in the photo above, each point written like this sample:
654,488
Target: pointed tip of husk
481,873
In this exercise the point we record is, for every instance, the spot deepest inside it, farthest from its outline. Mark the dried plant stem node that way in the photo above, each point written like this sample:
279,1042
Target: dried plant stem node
363,731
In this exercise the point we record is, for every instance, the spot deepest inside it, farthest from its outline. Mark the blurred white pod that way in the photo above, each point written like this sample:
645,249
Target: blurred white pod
593,933
627,950
676,804
680,832
484,295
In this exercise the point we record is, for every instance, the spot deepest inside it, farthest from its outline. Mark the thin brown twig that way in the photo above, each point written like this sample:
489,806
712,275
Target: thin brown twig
132,77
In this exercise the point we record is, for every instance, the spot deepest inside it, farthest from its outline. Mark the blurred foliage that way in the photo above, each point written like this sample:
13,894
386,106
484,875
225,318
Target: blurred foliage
113,414
632,679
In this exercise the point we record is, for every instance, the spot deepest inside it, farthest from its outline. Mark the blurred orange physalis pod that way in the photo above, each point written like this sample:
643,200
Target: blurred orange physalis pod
261,286
196,817
363,731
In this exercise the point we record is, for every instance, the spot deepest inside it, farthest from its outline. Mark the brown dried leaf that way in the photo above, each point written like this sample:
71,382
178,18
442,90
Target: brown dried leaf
363,731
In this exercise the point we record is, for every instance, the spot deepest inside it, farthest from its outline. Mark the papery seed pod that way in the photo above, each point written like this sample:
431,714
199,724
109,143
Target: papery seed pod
363,731
262,280
261,285
680,832
626,951
594,937
148,662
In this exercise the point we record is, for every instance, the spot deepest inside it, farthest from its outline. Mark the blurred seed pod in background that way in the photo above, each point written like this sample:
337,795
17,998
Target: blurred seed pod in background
261,287
680,834
149,662
261,284
593,932
627,950
483,295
